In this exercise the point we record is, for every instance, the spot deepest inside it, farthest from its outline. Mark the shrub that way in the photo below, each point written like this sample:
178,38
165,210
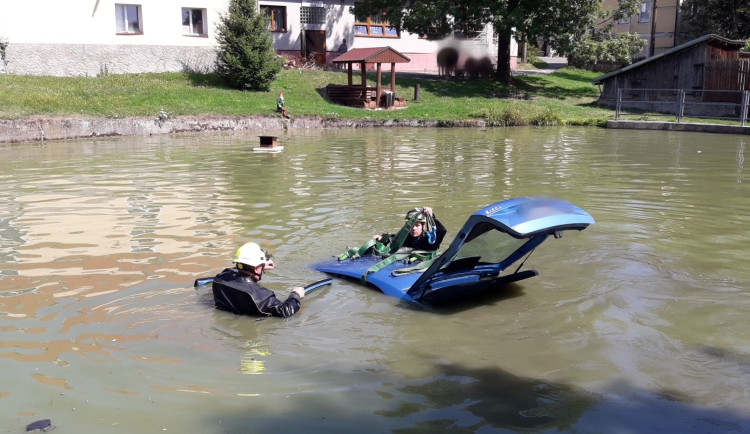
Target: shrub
509,116
548,118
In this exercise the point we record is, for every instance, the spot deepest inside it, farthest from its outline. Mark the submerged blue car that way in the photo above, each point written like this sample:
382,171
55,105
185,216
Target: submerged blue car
491,240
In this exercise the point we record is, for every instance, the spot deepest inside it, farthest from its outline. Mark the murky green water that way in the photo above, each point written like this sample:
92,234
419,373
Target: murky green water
637,324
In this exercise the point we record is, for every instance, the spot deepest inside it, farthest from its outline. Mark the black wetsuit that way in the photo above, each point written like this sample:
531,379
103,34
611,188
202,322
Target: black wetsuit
239,293
421,242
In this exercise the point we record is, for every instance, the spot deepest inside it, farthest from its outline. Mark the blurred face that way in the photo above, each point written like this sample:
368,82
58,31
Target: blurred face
254,272
417,229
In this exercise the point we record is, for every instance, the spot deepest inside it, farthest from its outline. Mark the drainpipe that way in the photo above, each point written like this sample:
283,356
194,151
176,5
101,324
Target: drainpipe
677,23
652,44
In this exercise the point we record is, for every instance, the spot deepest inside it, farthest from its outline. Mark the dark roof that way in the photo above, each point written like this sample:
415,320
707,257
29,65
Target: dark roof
372,55
685,46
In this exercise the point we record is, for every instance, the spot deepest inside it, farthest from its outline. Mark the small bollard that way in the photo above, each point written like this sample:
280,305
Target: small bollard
416,92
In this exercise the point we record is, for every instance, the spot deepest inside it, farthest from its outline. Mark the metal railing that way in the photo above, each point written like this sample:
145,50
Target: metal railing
705,104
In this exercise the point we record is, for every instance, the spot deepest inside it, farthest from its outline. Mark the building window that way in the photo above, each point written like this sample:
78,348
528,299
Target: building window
645,15
277,15
375,26
193,22
312,15
128,18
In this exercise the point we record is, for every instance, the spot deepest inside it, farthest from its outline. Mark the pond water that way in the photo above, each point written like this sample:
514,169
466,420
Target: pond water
638,323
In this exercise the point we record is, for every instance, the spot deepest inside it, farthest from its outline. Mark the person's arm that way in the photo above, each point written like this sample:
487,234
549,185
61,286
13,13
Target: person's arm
440,232
270,304
291,305
384,238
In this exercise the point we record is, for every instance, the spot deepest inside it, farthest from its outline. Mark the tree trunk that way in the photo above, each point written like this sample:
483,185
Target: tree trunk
504,37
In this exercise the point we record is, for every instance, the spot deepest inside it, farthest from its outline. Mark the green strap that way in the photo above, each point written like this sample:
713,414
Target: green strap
422,255
426,257
419,267
389,253
384,263
356,253
379,248
400,237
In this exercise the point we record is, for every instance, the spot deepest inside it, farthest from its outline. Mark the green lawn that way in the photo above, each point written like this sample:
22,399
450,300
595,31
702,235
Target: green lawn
565,97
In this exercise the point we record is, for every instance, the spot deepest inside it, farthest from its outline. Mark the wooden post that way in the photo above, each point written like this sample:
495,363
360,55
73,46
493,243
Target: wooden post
350,67
363,73
618,104
393,78
378,87
416,92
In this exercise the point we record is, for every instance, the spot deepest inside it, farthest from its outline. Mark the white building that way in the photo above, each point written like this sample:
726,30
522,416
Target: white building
73,38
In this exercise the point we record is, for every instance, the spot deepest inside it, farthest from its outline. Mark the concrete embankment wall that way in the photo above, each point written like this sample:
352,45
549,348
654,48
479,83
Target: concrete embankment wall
674,126
40,129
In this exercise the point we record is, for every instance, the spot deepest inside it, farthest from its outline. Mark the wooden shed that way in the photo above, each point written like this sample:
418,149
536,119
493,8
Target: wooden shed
360,94
710,62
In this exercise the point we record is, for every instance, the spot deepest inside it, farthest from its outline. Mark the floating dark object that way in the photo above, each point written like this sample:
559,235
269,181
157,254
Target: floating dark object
268,141
40,425
269,144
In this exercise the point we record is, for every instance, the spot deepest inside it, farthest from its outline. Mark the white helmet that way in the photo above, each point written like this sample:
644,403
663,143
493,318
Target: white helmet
250,254
420,212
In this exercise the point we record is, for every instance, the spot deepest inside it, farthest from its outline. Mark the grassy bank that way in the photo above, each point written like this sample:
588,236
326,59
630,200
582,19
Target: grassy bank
566,97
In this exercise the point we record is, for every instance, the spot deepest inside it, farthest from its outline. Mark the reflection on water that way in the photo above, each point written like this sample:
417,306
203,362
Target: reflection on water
636,324
532,405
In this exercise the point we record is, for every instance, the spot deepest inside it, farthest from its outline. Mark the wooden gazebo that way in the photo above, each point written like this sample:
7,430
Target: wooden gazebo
360,94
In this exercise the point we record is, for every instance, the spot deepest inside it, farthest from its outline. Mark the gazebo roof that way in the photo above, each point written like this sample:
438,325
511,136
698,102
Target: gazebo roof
372,55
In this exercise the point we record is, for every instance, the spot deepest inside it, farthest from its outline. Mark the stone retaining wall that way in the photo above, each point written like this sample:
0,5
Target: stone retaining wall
40,129
93,60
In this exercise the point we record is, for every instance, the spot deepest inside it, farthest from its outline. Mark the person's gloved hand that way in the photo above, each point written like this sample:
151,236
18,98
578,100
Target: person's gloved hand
300,291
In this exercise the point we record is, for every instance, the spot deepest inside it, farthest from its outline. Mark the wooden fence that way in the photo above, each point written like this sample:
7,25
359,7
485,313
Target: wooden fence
731,74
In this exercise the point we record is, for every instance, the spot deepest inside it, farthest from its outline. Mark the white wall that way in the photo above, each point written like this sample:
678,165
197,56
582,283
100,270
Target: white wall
93,22
68,38
77,37
339,25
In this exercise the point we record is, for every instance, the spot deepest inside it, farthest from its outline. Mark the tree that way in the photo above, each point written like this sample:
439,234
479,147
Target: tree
550,19
606,52
727,18
3,48
599,49
246,58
